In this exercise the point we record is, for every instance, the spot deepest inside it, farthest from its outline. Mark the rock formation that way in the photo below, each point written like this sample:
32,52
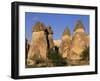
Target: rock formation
42,41
79,43
49,37
65,43
38,47
69,47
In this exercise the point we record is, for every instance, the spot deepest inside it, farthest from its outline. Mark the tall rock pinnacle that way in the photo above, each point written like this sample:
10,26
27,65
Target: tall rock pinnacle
79,41
49,37
66,32
38,47
39,26
79,26
65,43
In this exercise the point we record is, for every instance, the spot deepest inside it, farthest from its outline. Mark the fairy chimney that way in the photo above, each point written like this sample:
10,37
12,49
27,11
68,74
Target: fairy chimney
49,33
79,27
79,41
38,46
65,43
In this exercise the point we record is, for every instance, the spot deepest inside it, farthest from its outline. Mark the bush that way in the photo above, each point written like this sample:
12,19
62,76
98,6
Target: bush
56,58
85,54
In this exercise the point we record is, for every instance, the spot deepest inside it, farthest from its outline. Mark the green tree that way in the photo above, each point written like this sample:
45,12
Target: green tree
56,58
85,54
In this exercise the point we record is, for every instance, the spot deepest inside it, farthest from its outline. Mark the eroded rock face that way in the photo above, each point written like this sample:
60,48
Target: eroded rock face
79,42
49,33
64,48
71,48
38,47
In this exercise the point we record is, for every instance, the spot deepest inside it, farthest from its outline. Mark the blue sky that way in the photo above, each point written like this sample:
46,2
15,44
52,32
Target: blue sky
58,22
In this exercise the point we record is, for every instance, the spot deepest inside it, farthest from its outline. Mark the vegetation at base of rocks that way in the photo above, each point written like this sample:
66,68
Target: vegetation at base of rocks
39,62
57,60
37,58
85,54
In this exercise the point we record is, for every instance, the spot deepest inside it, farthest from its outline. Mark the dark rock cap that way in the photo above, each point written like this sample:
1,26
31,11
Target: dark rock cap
79,25
66,32
49,29
39,26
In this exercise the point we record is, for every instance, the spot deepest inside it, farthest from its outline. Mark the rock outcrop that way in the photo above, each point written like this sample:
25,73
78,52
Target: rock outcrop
64,48
79,42
69,48
42,41
38,47
49,33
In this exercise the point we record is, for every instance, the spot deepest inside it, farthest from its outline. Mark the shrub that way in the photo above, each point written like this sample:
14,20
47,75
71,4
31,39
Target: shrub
85,54
56,58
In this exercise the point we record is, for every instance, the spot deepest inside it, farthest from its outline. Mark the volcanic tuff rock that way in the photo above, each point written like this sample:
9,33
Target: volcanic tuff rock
38,47
64,48
39,26
49,37
79,42
70,47
79,26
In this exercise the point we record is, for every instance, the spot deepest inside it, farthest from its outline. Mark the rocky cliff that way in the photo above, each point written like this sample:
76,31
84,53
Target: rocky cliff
65,43
49,37
79,42
38,47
